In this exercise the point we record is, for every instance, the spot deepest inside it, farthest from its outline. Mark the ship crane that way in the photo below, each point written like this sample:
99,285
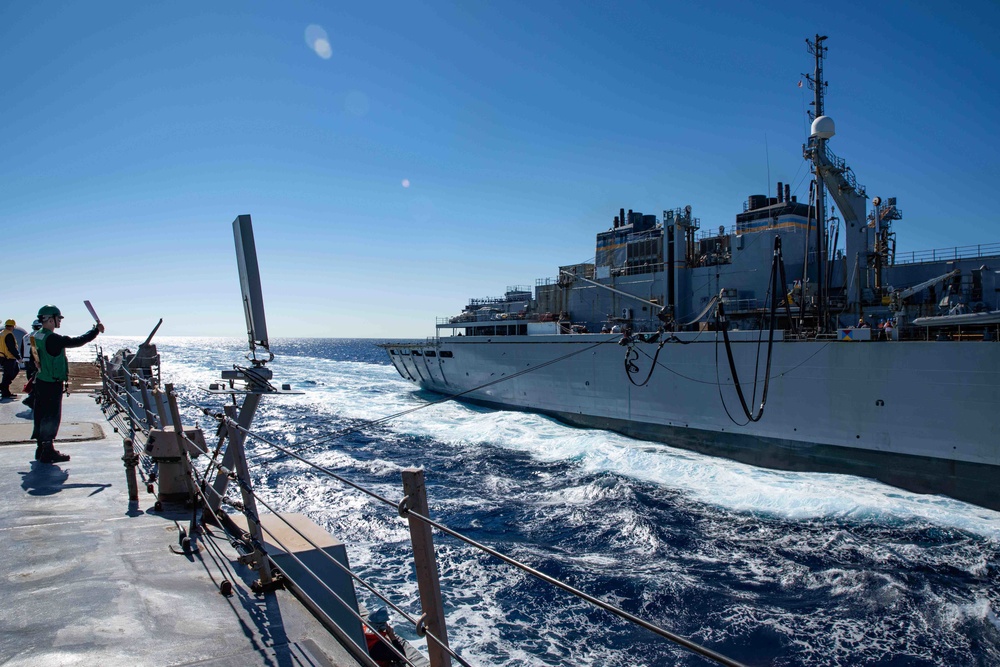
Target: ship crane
884,252
897,299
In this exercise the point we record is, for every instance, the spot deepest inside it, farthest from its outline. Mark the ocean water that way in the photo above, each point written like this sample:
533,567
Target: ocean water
767,567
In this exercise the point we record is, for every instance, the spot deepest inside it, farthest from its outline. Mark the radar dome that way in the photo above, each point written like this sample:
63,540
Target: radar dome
823,127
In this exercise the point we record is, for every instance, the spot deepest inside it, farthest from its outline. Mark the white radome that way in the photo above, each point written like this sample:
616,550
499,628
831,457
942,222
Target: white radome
823,127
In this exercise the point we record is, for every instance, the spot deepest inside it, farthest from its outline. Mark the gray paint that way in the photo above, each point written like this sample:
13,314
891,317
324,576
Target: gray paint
923,409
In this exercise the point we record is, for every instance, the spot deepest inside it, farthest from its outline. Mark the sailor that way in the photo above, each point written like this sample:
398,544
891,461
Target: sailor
9,356
30,369
49,349
376,627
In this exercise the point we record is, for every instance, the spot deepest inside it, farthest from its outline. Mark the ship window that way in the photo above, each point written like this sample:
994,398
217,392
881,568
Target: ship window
446,354
430,353
418,353
393,352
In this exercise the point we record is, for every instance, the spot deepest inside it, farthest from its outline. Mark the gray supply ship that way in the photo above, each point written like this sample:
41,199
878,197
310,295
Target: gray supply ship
795,339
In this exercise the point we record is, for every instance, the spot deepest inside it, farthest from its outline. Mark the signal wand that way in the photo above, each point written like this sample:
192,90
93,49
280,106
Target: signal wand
93,313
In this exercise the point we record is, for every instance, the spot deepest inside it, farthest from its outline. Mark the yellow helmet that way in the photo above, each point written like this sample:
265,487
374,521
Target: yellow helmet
10,323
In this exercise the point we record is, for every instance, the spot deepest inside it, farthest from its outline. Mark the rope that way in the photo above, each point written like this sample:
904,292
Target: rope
201,486
347,571
309,444
677,639
231,423
632,354
507,559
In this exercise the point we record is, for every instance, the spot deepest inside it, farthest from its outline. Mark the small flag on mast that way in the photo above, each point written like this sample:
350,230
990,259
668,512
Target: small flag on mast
800,84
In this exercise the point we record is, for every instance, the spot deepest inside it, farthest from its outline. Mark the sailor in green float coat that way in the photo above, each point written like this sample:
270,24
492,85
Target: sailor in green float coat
49,350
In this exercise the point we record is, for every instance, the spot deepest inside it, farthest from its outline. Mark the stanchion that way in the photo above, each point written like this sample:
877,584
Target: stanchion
425,564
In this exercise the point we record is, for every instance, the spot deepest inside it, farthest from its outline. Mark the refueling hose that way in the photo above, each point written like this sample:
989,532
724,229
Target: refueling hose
776,265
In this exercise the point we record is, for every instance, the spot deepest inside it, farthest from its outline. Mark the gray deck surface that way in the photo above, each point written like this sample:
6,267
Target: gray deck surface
89,581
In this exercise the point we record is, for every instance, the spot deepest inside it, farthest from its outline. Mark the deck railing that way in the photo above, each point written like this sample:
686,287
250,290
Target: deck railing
493,318
945,254
134,402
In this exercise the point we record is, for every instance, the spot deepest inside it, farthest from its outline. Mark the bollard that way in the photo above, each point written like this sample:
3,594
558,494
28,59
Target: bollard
426,567
131,461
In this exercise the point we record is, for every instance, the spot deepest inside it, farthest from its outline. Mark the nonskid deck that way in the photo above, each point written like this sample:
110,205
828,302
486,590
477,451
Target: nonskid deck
91,582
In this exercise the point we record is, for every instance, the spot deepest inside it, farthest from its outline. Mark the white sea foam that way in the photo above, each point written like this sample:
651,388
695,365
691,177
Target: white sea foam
714,482
364,391
368,391
729,484
741,514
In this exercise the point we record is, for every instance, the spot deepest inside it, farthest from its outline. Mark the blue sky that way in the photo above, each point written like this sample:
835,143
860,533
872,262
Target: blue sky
437,151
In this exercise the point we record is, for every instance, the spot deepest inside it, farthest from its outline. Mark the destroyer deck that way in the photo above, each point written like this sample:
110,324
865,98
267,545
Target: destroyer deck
89,582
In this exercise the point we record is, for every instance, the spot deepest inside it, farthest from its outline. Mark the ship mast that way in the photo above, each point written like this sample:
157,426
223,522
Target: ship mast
818,85
835,178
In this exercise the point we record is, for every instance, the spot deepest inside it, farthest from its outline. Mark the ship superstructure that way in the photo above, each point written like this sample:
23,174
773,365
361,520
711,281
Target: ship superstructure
794,338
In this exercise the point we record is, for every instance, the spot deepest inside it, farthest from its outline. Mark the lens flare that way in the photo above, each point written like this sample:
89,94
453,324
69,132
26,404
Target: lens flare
318,41
323,50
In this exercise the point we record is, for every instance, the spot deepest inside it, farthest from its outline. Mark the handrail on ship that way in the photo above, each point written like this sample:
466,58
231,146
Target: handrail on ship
115,395
954,253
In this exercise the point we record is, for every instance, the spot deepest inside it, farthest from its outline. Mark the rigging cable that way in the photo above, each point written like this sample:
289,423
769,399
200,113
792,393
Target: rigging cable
716,383
722,323
631,354
381,420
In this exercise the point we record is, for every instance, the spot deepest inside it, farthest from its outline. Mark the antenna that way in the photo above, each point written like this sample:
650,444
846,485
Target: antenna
251,383
816,82
253,299
767,160
255,381
816,153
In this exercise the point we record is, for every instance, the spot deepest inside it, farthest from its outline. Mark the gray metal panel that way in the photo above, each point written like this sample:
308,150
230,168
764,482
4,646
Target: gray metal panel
313,566
253,299
869,400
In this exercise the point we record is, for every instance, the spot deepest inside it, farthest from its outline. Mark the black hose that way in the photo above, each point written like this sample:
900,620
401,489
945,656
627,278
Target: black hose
775,263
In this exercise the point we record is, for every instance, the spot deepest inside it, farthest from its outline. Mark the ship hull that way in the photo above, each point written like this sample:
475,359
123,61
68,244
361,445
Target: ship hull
920,419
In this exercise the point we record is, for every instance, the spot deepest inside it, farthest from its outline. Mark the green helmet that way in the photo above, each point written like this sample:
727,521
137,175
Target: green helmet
48,311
